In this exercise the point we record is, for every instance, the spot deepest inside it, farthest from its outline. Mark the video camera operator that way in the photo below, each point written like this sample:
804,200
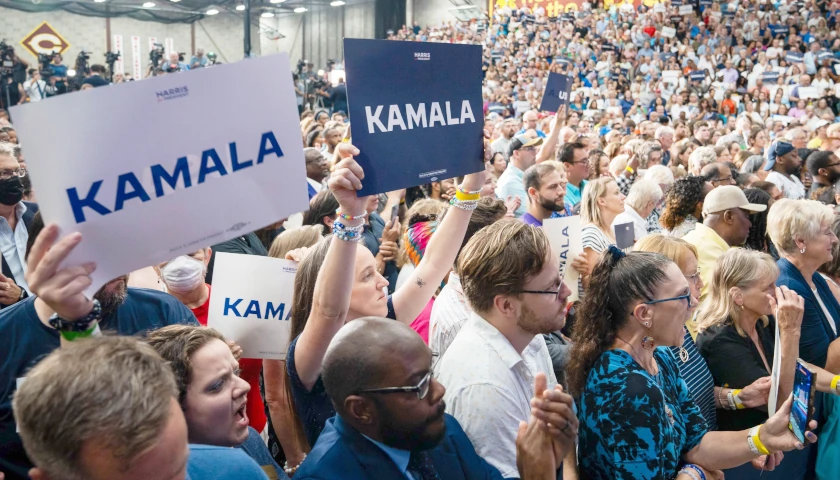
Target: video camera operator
10,62
36,88
175,64
338,96
96,78
59,74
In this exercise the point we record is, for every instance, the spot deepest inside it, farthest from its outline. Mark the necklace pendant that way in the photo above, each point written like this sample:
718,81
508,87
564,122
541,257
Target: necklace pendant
683,354
670,414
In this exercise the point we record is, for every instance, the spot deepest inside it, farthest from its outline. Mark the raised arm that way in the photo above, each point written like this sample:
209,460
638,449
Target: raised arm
410,299
331,300
550,145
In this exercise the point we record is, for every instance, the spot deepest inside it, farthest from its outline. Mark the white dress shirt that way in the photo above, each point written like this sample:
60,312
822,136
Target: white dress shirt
13,245
631,215
791,187
489,386
449,314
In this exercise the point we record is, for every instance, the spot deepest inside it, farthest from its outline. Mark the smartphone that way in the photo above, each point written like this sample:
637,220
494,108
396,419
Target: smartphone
395,210
802,409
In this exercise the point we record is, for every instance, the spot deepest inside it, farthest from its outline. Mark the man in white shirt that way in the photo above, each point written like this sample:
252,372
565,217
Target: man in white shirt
643,197
784,161
35,88
512,280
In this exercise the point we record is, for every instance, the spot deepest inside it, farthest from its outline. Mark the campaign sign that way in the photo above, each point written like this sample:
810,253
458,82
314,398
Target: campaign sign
565,239
659,8
770,76
668,32
825,55
251,303
779,30
195,162
556,94
793,57
686,10
706,3
697,75
422,120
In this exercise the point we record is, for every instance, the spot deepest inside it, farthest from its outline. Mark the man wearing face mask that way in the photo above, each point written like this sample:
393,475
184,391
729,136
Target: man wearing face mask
16,218
184,279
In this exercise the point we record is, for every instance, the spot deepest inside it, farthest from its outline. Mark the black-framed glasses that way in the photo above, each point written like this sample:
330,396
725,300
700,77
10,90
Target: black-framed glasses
540,292
421,389
721,180
686,297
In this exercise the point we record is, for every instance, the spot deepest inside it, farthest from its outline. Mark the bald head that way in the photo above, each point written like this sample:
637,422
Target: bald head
363,352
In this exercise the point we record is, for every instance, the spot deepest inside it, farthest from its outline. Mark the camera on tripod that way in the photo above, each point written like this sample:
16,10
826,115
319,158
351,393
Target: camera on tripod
7,55
156,54
45,59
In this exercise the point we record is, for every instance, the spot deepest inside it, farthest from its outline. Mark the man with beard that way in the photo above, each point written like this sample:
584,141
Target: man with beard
390,422
546,187
15,218
27,333
824,167
512,280
785,163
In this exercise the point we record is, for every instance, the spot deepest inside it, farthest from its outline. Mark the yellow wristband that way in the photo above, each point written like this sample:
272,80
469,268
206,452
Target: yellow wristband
757,441
466,197
834,382
630,169
738,404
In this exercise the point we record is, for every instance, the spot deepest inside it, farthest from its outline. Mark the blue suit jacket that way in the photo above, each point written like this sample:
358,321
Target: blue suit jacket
816,332
342,452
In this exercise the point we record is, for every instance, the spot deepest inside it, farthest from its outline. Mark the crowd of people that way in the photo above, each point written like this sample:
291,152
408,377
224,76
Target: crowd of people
432,335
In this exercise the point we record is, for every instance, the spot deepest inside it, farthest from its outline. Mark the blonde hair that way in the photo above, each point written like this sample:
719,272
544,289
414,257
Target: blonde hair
618,164
304,236
590,212
791,220
121,394
741,268
500,259
675,249
8,148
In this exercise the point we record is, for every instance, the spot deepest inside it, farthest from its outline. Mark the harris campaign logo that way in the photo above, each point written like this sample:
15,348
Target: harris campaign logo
172,93
422,56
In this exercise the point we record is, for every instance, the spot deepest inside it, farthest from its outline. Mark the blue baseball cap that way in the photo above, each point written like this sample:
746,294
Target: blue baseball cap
776,150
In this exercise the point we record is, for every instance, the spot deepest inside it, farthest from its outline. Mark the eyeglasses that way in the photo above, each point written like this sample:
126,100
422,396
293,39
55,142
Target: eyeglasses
694,277
720,180
585,162
421,389
7,174
540,292
686,297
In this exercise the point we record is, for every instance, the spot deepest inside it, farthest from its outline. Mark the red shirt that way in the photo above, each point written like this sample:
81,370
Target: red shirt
650,30
250,372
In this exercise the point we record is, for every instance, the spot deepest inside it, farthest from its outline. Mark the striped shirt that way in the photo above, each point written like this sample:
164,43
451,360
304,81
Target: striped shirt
591,236
449,313
698,378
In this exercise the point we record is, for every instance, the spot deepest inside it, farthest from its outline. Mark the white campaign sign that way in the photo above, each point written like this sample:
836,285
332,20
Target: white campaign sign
668,32
251,303
196,163
564,237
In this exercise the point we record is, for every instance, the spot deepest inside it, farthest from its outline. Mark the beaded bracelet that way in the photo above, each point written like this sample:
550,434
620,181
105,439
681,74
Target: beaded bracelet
468,205
693,471
347,234
351,217
291,470
469,192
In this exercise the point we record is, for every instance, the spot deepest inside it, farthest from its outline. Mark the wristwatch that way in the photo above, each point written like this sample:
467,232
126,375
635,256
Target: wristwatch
80,325
23,293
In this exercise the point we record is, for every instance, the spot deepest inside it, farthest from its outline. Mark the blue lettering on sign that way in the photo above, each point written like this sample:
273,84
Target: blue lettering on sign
254,309
129,187
416,116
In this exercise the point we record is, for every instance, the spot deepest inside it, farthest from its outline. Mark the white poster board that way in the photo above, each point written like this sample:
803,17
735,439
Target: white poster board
809,92
668,32
251,303
659,8
564,237
686,9
150,170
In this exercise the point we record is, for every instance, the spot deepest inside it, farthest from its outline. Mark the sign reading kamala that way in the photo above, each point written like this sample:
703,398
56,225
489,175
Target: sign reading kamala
251,303
423,120
195,164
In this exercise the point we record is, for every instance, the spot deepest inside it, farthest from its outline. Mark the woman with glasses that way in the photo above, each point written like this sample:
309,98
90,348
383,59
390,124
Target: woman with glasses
637,418
737,339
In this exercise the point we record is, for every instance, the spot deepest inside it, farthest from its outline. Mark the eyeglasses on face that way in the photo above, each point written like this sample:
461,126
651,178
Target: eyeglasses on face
421,389
721,180
540,292
7,174
693,278
686,297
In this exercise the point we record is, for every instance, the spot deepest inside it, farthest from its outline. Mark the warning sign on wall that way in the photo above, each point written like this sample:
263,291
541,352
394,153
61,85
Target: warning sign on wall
44,39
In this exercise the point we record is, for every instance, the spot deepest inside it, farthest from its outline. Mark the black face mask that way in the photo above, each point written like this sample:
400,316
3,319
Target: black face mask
11,191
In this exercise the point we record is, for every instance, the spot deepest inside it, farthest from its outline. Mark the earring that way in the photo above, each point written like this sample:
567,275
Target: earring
802,250
742,307
683,354
648,343
647,324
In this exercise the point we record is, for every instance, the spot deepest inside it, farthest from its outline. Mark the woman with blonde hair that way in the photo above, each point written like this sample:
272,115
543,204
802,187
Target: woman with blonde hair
600,203
737,339
303,236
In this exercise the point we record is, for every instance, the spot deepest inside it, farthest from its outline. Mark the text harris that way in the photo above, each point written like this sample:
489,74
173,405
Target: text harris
408,117
129,187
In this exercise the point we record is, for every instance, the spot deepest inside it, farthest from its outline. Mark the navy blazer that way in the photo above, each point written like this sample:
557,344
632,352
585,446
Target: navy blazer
816,333
342,452
28,215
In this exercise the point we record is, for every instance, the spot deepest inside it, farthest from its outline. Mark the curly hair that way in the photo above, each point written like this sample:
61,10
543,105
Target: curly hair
757,239
681,200
618,282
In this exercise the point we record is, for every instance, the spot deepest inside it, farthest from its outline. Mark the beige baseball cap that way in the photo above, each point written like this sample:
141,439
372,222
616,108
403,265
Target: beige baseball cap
728,197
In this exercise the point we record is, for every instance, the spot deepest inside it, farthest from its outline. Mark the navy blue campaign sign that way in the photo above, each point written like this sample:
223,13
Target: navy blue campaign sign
556,94
416,111
697,75
794,57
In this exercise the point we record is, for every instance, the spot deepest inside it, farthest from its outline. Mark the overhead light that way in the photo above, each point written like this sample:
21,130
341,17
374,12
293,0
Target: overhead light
212,11
276,1
300,9
98,1
267,15
175,1
148,4
240,8
336,3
